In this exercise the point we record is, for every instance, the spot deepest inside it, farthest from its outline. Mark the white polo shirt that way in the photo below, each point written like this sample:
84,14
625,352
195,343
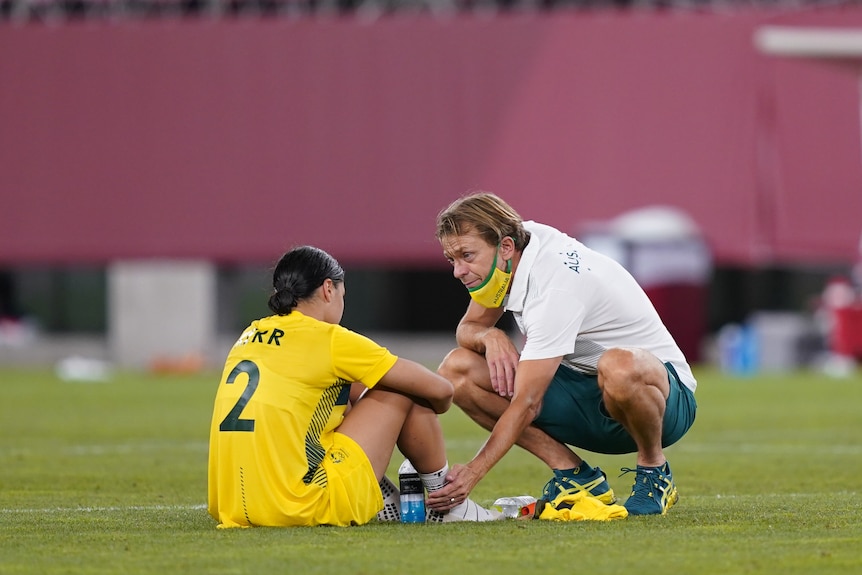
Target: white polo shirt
571,301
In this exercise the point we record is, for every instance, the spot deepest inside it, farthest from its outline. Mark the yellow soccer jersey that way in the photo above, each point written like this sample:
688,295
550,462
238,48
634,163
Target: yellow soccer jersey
283,393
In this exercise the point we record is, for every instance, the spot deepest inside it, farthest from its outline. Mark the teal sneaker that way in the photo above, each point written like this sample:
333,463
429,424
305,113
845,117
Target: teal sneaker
584,478
653,492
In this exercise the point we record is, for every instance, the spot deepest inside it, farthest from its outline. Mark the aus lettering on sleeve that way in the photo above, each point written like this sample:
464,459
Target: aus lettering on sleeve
573,261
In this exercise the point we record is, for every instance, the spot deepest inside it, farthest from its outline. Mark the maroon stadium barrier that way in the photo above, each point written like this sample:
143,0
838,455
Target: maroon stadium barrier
232,140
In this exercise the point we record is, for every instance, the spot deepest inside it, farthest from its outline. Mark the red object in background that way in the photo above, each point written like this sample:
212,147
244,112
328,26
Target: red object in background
682,308
846,334
842,305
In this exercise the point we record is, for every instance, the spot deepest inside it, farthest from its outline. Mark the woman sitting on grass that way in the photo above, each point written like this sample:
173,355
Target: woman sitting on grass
290,444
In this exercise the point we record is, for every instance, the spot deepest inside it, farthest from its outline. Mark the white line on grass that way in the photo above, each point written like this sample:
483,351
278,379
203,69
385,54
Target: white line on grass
118,449
107,509
719,447
199,507
201,446
769,495
783,449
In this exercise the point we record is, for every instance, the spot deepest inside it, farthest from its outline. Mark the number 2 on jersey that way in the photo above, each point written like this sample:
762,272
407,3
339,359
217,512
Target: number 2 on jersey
233,422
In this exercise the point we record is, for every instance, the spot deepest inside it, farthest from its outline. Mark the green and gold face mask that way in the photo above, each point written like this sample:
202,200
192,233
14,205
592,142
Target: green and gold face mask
491,292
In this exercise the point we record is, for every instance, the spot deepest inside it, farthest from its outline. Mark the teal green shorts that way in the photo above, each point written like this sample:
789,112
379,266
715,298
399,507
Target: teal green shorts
573,413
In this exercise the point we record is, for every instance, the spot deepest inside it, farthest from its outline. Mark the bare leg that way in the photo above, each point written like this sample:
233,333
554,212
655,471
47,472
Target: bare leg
375,423
384,418
635,388
468,372
421,440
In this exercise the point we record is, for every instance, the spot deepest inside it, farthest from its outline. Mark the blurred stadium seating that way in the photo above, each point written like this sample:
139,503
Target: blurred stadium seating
54,11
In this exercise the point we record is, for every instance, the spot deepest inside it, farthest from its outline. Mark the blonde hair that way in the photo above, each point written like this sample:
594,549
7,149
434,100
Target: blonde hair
486,214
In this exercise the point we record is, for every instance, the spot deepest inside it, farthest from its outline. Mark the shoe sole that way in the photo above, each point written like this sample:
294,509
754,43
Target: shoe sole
670,499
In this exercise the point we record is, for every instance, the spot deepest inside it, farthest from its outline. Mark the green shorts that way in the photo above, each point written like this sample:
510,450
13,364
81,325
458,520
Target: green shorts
573,413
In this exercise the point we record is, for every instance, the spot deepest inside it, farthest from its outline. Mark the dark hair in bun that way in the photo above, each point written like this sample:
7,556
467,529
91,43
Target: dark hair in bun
298,274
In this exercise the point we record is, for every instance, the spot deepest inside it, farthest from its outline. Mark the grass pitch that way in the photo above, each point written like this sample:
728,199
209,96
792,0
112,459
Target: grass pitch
111,478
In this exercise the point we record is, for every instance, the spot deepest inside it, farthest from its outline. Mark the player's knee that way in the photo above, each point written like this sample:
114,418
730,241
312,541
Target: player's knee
457,364
616,364
458,367
625,373
618,372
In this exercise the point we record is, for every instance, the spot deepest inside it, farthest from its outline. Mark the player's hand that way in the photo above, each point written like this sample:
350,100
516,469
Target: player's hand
502,357
459,484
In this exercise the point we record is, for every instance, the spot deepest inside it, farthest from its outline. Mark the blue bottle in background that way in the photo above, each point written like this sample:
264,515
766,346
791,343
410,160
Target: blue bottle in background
738,348
749,361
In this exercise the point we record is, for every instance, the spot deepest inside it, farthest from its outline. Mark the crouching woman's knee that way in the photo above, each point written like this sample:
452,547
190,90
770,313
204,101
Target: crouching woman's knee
623,370
617,366
460,367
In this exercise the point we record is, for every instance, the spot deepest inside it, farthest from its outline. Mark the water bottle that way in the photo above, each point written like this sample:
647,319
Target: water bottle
750,352
515,507
412,494
738,349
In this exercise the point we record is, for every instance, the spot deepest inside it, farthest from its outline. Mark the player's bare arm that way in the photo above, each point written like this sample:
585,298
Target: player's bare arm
414,379
478,322
476,331
532,380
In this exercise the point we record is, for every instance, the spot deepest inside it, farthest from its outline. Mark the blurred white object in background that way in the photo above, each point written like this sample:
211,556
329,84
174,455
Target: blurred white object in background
83,369
17,332
665,246
665,251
